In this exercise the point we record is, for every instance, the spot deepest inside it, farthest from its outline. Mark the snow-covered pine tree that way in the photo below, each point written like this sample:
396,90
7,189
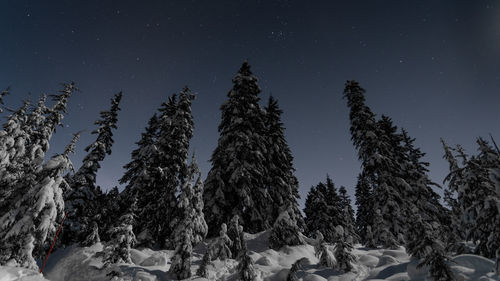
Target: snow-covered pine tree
370,241
348,223
220,248
454,180
137,176
235,184
205,261
111,210
246,267
326,258
323,210
92,237
30,225
285,231
425,246
200,227
235,233
280,179
137,167
421,192
83,197
374,141
364,203
34,128
167,168
123,239
188,216
23,171
393,188
482,214
342,253
12,147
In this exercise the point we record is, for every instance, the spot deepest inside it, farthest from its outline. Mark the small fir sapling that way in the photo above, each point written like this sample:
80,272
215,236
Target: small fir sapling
221,246
205,262
246,267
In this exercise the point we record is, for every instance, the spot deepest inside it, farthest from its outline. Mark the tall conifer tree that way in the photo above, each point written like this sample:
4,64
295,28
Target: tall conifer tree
280,179
235,184
82,200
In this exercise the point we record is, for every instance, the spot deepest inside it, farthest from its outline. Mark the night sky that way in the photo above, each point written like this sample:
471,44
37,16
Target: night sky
433,66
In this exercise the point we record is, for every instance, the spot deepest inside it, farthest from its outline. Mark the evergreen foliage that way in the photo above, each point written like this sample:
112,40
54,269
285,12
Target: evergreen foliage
29,226
282,184
296,266
123,239
285,231
323,210
205,261
246,267
188,216
235,234
235,185
347,215
220,248
83,198
166,169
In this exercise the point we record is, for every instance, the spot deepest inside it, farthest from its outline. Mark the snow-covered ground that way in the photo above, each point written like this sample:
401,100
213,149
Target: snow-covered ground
77,263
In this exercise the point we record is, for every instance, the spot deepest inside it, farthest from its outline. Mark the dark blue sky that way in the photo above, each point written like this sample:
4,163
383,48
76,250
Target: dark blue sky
433,66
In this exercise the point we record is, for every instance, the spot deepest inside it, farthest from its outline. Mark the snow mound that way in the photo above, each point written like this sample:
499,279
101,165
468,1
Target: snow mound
8,273
85,263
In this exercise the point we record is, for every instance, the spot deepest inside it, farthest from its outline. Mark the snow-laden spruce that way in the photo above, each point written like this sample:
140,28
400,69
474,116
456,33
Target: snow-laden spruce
324,210
235,184
30,225
82,199
281,182
166,170
190,227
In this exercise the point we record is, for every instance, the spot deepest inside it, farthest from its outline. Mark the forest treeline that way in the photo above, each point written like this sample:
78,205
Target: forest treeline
250,187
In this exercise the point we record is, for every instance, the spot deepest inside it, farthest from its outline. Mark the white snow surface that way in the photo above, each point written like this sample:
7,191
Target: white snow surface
85,263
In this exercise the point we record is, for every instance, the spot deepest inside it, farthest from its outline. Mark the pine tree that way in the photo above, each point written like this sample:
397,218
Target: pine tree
281,181
323,210
348,222
185,226
421,192
12,147
123,239
453,199
205,261
137,176
370,241
137,167
343,254
379,150
246,267
92,237
426,246
28,228
235,184
285,231
220,248
364,206
481,212
167,168
83,197
326,258
235,233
